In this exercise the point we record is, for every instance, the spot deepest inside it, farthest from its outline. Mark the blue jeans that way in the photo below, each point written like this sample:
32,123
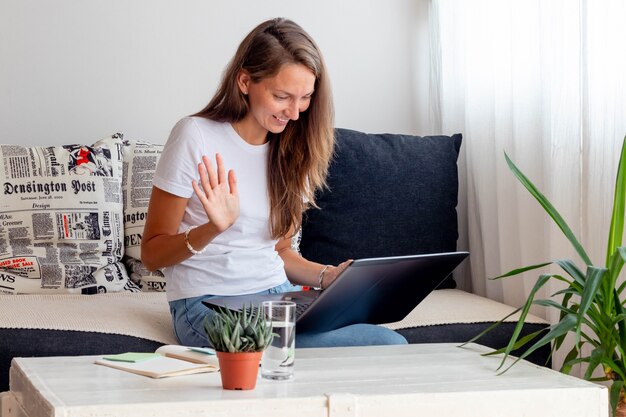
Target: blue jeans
188,316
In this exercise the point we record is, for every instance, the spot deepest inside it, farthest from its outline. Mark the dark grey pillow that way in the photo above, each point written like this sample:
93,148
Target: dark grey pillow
388,195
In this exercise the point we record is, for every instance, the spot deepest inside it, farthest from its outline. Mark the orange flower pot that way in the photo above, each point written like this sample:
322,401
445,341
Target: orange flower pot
239,370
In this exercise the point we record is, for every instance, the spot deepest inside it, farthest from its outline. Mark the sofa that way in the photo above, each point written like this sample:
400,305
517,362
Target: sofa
72,216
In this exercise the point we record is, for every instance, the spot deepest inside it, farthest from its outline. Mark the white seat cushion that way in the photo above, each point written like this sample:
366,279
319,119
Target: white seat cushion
457,306
144,315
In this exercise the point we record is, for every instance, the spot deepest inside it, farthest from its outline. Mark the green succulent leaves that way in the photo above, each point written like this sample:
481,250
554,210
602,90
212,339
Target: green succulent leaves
239,331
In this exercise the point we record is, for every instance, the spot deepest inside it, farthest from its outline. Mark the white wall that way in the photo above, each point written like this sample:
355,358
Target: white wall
78,70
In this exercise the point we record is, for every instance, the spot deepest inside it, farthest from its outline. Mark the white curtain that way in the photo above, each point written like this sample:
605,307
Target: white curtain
545,82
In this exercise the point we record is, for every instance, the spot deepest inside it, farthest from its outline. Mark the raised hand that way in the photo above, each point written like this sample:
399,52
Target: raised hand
217,193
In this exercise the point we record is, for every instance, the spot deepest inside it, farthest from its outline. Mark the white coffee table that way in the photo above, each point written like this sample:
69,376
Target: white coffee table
413,380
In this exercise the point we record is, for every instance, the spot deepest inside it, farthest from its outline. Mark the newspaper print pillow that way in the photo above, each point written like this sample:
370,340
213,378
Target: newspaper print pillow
61,218
140,161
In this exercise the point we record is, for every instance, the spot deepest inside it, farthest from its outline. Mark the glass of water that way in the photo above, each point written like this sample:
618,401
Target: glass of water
278,359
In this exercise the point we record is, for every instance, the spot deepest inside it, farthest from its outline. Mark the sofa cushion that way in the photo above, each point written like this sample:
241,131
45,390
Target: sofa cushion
455,316
61,218
388,195
116,323
144,315
69,325
140,161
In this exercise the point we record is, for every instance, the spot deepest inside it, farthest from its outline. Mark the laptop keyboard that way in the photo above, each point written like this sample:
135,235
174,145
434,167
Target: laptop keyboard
301,308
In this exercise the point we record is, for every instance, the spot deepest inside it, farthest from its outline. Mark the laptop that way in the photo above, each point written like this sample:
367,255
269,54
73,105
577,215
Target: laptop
372,290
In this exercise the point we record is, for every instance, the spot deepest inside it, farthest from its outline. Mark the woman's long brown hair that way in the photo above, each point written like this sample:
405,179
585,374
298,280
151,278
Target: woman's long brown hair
298,158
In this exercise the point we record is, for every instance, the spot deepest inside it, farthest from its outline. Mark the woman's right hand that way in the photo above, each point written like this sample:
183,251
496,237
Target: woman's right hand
331,273
217,193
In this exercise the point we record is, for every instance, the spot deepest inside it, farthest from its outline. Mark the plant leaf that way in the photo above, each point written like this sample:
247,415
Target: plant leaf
557,329
568,362
552,303
520,343
607,361
490,328
619,202
565,280
614,392
567,369
621,324
550,209
520,270
592,282
594,360
541,281
244,316
564,303
572,270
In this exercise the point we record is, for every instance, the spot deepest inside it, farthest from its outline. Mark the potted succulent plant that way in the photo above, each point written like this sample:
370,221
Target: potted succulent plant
239,339
592,304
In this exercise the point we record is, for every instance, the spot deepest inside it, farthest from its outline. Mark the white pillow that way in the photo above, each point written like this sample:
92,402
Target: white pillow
61,219
140,161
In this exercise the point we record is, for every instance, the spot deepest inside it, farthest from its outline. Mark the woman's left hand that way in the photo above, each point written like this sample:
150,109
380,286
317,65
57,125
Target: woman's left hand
218,193
332,272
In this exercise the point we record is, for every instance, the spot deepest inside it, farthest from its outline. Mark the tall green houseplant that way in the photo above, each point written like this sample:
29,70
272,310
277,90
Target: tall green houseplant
592,305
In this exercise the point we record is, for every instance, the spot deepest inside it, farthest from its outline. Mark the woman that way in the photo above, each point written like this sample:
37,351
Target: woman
271,122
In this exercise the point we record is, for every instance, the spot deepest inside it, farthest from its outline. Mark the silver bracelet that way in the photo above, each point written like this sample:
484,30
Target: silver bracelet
191,249
320,277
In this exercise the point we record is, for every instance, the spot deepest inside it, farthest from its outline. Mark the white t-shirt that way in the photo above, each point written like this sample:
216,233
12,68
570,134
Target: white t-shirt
242,259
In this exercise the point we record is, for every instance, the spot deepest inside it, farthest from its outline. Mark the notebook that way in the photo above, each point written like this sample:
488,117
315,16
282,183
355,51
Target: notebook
371,290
